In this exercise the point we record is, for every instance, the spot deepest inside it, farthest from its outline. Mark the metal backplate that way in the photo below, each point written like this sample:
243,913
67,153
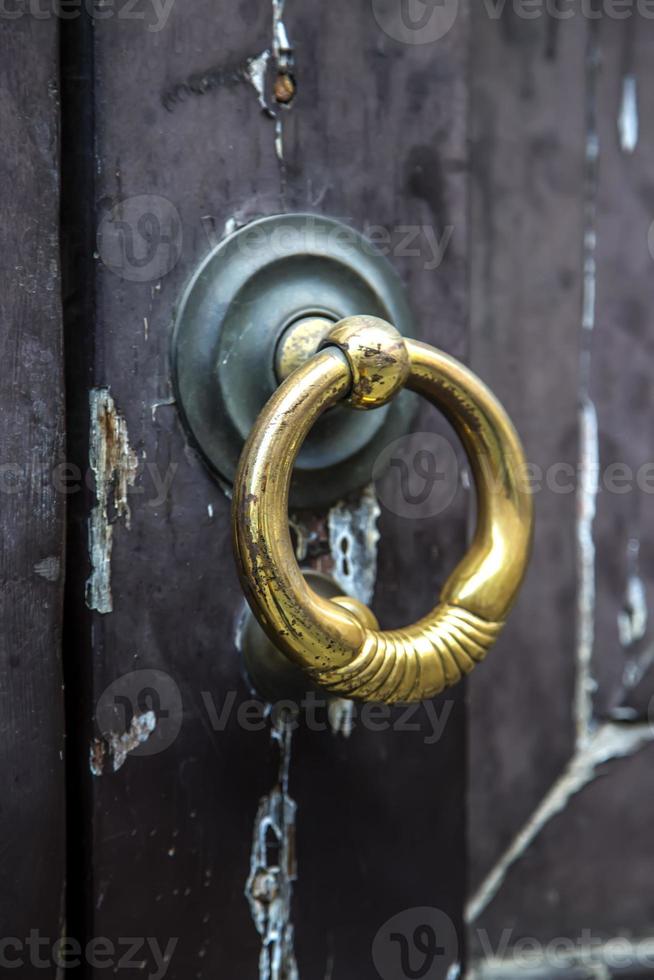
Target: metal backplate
247,292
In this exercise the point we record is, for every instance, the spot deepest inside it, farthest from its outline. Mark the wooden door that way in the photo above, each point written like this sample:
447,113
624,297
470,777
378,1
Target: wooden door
500,156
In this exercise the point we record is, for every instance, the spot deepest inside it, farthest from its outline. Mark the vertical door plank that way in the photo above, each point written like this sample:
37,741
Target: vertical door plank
620,357
31,510
561,279
527,234
170,832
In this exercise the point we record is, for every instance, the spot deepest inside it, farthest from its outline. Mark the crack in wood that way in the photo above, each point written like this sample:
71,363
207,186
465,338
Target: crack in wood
609,742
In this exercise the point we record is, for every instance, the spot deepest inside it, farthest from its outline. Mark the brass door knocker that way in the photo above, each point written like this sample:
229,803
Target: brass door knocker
365,361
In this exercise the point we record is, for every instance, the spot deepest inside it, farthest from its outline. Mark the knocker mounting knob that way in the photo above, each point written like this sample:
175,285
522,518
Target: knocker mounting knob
337,641
377,358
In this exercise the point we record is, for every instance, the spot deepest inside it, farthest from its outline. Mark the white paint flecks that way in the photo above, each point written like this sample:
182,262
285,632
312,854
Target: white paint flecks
48,568
586,508
353,540
633,674
269,888
628,121
341,716
279,139
590,282
282,47
588,486
231,225
608,742
116,748
154,408
114,466
632,618
255,72
241,622
282,52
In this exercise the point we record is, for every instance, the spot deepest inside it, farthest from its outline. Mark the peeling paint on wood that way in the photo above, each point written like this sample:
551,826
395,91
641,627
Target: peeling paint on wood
113,749
344,547
279,139
353,540
113,463
588,433
269,888
632,618
164,403
628,121
340,714
255,71
636,642
284,60
586,508
282,51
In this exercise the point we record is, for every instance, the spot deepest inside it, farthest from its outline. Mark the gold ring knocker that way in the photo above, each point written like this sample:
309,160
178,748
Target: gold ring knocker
338,642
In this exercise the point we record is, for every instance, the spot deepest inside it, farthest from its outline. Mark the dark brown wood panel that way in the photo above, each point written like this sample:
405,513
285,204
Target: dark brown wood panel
559,810
620,373
376,135
172,833
31,508
528,138
584,879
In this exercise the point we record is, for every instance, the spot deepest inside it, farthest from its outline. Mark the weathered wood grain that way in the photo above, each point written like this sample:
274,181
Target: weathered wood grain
561,277
620,378
376,136
31,510
526,281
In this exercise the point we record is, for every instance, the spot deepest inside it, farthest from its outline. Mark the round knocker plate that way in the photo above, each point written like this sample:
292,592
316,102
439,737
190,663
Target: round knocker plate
254,285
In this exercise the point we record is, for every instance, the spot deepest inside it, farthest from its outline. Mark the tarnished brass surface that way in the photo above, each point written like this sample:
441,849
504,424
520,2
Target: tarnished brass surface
299,342
337,641
376,355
